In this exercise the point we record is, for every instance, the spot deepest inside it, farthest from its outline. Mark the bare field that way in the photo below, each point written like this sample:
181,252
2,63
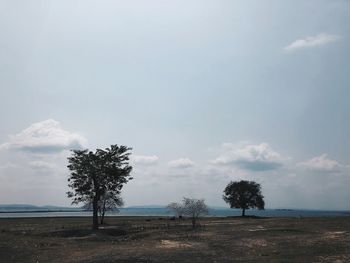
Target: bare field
153,239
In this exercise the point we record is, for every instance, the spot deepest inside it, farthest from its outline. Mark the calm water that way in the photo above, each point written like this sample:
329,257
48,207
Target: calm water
165,212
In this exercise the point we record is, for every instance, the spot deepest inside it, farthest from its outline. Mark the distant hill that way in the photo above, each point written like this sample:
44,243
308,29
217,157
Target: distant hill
26,207
17,206
146,206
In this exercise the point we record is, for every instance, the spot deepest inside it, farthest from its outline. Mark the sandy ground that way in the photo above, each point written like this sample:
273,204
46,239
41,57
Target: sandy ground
153,239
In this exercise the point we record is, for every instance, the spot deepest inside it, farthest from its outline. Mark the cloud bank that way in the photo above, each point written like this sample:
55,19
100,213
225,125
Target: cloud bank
144,159
41,165
253,157
312,41
181,163
321,164
44,137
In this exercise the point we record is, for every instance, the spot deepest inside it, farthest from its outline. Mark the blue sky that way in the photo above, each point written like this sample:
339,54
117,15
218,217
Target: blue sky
204,91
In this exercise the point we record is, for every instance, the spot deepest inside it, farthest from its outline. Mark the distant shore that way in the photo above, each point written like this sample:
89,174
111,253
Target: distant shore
162,211
41,211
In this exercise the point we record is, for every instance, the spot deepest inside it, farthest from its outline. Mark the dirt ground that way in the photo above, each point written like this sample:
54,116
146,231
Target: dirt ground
153,239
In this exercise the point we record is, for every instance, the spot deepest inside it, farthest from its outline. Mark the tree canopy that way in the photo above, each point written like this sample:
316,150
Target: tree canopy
244,195
97,174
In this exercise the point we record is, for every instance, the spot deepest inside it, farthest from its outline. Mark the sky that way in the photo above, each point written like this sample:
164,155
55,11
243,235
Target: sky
204,91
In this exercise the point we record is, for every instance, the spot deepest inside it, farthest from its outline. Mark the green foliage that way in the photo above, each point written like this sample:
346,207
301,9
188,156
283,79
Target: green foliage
98,174
244,195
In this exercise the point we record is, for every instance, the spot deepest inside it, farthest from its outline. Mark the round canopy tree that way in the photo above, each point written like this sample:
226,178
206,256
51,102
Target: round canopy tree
244,195
98,174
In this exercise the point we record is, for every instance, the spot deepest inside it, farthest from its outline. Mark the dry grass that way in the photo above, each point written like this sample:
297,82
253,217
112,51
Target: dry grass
151,239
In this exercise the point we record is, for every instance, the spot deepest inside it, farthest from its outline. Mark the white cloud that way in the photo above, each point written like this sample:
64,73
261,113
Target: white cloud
7,165
181,163
144,159
312,41
44,137
321,164
253,157
41,165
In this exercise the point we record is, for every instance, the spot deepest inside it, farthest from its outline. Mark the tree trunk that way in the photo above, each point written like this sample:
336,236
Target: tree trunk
102,217
193,223
103,211
95,213
243,212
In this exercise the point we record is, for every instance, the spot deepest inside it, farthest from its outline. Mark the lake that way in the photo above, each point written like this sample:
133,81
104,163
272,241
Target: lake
218,212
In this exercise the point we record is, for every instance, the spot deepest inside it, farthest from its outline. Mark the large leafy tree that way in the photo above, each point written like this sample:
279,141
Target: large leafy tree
244,195
97,174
